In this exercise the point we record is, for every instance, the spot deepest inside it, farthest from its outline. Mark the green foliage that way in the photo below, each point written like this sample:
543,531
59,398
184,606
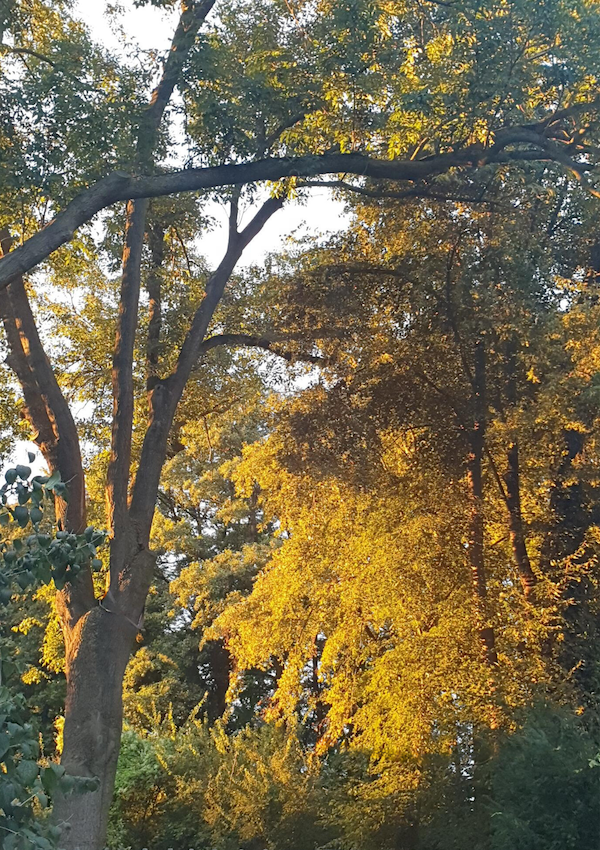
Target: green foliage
26,784
39,557
199,787
314,600
23,783
545,785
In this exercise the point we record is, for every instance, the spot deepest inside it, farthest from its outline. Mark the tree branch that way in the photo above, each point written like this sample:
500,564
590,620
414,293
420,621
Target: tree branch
120,186
26,51
49,412
247,340
192,17
380,194
156,242
122,368
167,394
68,454
41,57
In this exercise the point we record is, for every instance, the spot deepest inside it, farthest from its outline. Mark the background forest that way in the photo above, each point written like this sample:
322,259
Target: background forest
373,619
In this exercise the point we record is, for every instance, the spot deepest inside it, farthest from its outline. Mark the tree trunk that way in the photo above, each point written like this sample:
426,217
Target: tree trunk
512,481
97,648
219,661
475,549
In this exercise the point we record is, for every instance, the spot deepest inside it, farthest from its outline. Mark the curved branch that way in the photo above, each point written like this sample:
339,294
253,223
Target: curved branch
120,186
249,341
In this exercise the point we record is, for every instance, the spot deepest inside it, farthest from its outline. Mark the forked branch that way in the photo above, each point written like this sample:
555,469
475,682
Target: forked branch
167,394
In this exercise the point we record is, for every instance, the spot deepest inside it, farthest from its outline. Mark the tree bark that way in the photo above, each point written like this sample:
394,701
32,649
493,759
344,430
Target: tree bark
98,650
475,549
512,481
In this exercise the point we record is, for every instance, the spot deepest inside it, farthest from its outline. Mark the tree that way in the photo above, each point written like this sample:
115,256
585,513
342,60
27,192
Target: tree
28,561
374,85
370,476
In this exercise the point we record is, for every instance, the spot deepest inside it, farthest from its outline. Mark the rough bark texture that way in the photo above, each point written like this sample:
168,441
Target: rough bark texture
97,654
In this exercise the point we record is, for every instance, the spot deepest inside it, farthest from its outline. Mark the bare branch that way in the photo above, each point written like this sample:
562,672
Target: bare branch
285,125
192,17
41,57
26,51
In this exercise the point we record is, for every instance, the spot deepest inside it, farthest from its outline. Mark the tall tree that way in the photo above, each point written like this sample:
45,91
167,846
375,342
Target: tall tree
352,88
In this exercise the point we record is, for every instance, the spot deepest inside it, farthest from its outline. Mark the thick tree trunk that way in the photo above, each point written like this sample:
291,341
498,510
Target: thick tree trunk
97,648
98,654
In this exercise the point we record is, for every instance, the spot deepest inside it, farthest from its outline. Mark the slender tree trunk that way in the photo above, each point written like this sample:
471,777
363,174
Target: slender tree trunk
475,550
512,481
219,660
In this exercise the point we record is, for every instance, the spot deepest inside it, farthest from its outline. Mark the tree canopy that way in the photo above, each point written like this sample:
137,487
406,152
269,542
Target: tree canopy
349,597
